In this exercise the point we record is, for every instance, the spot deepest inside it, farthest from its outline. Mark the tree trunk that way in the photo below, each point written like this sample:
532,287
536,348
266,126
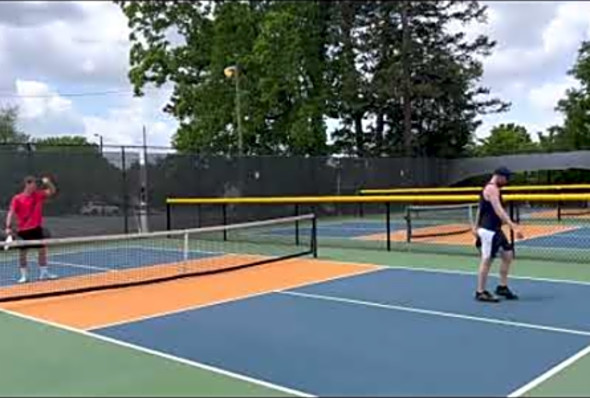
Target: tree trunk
358,134
379,133
407,106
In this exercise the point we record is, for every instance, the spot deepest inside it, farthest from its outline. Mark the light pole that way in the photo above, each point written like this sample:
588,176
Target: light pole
233,71
100,141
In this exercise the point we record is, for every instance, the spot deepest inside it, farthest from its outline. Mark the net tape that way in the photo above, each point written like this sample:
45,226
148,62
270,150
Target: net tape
439,220
115,261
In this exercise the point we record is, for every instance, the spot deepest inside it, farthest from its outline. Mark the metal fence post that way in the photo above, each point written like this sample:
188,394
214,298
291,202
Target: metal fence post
388,227
125,194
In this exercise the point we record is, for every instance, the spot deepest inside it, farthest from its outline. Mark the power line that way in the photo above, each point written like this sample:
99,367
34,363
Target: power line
86,94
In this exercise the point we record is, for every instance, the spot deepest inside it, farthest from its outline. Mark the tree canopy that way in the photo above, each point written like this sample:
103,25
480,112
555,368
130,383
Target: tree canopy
506,139
9,131
394,75
575,134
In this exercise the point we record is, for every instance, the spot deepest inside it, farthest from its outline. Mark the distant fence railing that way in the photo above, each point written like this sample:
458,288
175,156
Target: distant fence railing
556,226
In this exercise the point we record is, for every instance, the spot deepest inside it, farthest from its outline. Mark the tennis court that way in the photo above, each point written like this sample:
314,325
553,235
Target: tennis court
537,235
352,322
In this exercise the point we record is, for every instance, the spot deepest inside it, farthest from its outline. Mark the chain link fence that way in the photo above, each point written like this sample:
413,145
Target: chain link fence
123,189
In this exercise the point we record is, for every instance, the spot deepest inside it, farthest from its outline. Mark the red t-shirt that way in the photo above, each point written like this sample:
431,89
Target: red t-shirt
29,209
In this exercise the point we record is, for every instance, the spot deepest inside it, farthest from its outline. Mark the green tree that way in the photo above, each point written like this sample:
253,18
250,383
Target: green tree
398,80
71,140
278,48
506,139
9,131
575,134
411,85
64,143
552,140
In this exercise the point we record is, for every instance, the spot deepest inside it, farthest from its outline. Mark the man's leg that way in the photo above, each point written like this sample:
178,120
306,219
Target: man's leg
507,257
502,289
45,274
23,266
485,243
482,275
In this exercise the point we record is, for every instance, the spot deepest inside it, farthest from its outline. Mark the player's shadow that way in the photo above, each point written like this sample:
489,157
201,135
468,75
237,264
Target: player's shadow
533,298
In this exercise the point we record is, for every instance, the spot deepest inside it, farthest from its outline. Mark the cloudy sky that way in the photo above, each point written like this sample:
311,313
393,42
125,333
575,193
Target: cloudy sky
52,51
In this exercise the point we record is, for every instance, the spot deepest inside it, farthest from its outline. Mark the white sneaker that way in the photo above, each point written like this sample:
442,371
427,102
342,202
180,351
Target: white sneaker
23,279
47,276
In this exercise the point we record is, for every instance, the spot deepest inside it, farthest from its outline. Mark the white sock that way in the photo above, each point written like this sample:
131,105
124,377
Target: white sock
44,270
23,273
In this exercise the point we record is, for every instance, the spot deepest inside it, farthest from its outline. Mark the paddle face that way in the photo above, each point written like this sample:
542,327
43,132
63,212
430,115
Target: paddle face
8,240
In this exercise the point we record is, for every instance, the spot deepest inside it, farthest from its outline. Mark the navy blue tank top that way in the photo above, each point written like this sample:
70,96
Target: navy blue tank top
488,218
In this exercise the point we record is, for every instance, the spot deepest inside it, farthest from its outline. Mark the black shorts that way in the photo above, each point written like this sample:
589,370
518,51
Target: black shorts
32,234
489,243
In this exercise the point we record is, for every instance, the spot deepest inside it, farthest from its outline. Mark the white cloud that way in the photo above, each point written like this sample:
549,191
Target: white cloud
570,25
53,48
92,49
546,96
537,44
123,125
63,47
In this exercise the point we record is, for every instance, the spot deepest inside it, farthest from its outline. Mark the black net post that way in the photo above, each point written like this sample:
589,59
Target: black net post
559,210
314,236
388,226
408,225
125,194
224,216
296,225
168,217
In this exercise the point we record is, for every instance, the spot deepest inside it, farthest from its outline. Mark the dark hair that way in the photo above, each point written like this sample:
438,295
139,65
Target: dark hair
503,171
29,179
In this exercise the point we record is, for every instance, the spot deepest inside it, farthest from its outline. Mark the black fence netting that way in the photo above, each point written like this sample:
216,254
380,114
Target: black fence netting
113,190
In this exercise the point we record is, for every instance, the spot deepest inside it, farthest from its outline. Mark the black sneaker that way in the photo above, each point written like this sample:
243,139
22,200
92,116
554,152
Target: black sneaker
505,292
486,297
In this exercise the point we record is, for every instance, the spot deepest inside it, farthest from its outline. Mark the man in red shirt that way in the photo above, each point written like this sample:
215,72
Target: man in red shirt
27,206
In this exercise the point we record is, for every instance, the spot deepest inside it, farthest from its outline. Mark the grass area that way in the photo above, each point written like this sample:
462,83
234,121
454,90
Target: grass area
40,360
525,267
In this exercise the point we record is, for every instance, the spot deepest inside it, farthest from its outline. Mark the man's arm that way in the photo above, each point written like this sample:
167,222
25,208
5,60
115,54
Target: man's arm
50,189
493,195
9,218
475,222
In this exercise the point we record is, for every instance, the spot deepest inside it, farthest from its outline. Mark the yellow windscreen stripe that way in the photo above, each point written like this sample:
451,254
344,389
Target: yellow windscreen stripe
514,188
566,197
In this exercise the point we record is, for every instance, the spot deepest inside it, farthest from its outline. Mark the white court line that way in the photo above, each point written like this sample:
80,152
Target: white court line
459,272
550,373
160,354
90,267
166,249
435,313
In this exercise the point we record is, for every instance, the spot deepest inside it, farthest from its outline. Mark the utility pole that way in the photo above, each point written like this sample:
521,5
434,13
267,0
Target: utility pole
234,71
143,199
407,106
100,143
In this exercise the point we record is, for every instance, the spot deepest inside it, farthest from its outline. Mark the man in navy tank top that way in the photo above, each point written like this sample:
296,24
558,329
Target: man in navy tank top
491,240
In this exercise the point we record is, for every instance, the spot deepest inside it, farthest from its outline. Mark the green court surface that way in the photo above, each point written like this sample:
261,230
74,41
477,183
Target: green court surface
42,360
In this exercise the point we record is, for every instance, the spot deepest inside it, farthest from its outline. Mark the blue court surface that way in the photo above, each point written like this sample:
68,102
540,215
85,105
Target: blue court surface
91,261
387,332
576,238
573,239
